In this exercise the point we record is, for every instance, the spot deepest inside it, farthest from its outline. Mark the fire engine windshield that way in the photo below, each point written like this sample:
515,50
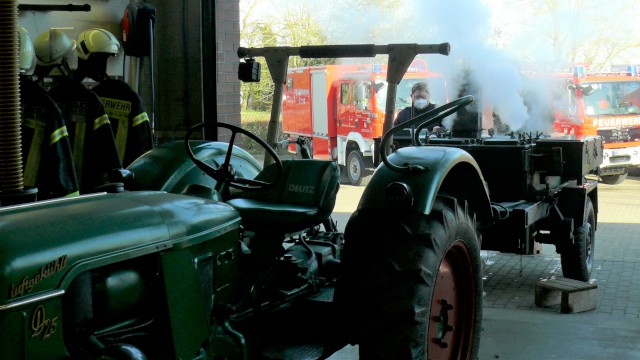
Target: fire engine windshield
611,98
437,89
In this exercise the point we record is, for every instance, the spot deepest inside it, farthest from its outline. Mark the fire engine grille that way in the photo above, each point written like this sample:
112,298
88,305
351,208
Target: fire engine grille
617,159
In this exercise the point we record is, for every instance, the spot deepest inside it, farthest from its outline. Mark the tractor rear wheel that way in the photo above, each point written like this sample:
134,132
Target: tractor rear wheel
415,284
577,258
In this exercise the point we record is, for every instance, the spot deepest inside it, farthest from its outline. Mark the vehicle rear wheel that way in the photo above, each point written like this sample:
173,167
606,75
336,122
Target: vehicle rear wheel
577,258
414,285
355,167
613,179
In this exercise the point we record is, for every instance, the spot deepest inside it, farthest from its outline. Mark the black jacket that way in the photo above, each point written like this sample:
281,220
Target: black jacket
129,120
92,141
410,112
46,148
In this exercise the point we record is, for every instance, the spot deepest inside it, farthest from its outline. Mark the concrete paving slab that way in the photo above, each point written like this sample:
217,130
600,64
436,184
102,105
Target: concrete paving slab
536,334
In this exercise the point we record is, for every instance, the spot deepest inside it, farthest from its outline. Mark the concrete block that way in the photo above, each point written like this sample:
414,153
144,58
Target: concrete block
546,297
584,300
537,248
572,295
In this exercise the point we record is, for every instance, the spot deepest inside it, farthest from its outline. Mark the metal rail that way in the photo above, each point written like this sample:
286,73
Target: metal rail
400,57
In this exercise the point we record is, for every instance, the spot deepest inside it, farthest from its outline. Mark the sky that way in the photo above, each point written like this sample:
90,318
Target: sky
493,37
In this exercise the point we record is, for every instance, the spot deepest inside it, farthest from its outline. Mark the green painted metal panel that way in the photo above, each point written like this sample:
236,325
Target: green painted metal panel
45,244
169,168
424,184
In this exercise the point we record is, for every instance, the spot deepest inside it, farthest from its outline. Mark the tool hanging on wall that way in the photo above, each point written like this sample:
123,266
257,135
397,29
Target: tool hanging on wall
138,25
47,7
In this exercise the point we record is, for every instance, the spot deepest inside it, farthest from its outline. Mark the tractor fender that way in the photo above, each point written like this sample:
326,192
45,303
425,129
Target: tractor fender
446,170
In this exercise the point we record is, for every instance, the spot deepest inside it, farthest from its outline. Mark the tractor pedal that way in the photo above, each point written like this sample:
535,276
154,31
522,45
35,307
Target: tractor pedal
297,351
325,295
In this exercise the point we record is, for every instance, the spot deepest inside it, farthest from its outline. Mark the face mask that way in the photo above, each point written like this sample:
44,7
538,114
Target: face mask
420,103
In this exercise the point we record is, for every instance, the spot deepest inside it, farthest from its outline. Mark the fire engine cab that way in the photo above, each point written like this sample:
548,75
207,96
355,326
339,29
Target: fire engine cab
341,109
605,104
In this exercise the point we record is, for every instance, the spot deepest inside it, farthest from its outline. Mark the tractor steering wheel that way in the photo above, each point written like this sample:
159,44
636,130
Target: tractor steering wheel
423,120
225,172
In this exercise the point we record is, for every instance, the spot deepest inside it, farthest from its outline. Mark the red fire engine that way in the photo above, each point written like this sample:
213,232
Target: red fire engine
341,109
605,104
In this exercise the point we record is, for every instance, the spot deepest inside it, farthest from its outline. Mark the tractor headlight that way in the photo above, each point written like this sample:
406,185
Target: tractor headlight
399,194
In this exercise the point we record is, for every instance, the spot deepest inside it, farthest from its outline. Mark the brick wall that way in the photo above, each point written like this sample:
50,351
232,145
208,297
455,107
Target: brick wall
179,73
228,41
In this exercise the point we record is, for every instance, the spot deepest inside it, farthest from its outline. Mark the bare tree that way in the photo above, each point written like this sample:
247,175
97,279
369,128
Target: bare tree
588,31
295,26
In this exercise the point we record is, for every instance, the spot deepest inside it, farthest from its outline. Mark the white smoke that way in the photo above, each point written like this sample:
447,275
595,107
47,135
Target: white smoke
489,37
466,25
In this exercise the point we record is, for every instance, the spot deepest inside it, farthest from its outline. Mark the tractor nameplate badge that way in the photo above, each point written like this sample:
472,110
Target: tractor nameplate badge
27,283
41,325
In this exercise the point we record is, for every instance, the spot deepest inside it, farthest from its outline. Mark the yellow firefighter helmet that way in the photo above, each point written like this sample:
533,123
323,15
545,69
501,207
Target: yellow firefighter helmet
52,46
27,53
96,41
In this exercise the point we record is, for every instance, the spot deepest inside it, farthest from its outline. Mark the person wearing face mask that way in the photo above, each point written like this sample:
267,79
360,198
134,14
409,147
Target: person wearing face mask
419,105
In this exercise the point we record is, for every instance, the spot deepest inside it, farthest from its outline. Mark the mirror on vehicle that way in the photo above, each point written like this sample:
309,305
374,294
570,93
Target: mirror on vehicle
588,89
632,109
361,96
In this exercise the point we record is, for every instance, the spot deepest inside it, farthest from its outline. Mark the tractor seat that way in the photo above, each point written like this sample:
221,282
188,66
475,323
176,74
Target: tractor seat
304,197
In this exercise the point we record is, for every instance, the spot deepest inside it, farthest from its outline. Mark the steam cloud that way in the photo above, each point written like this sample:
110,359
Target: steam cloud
467,26
489,49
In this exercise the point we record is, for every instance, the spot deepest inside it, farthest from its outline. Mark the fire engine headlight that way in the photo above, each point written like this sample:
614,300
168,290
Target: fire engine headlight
399,194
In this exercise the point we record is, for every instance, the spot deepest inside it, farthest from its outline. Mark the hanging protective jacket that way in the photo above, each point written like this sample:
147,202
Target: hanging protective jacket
92,141
46,148
129,120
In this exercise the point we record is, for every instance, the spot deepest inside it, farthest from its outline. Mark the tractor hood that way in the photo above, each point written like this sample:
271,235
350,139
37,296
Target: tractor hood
42,243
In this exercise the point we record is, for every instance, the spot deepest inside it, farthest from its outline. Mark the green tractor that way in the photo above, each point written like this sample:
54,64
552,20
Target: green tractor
207,254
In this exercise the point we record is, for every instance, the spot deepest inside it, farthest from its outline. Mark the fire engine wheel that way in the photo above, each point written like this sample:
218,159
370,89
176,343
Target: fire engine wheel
225,172
577,258
419,291
613,179
355,168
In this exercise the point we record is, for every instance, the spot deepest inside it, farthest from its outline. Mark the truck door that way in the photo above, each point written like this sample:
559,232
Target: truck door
319,103
345,108
360,101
